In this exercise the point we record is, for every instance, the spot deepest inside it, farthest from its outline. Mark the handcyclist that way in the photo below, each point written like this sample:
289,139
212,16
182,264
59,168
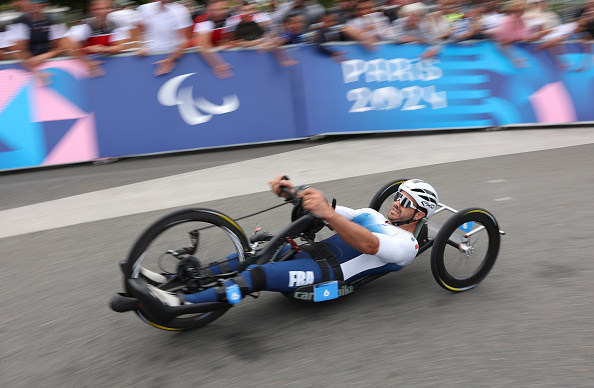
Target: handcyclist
365,243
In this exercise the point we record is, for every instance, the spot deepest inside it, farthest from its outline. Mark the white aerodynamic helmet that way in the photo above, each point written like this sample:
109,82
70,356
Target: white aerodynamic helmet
423,193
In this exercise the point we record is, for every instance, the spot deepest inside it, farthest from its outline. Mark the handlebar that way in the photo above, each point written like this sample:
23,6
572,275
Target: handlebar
292,194
285,189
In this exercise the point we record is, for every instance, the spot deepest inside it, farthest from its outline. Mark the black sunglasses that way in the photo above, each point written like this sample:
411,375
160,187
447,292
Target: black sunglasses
404,200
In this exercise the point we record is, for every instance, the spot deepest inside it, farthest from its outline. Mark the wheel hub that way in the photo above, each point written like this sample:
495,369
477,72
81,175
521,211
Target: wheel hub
466,249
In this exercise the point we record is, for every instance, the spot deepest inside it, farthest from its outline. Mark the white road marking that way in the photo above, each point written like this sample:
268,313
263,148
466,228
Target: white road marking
344,159
503,199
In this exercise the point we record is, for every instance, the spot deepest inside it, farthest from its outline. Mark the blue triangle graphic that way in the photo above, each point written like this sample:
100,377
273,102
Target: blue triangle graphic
4,147
69,87
55,131
23,136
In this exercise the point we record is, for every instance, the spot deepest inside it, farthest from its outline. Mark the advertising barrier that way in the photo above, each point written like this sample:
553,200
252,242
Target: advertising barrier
129,111
467,85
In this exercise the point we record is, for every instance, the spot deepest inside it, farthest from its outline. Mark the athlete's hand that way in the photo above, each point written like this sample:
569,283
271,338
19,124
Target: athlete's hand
313,200
278,183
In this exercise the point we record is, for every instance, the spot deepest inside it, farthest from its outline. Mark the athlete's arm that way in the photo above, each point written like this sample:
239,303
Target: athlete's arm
353,234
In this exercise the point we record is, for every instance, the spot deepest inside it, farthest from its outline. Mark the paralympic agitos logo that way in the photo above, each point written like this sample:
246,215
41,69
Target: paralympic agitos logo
193,110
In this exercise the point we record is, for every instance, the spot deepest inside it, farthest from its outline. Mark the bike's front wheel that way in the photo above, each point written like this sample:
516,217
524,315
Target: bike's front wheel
207,235
465,249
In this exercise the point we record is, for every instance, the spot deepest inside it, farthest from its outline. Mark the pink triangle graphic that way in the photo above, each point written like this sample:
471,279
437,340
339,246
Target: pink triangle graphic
12,81
49,105
552,104
72,66
78,145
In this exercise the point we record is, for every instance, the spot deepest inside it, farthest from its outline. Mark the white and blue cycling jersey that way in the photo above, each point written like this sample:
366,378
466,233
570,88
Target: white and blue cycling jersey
397,247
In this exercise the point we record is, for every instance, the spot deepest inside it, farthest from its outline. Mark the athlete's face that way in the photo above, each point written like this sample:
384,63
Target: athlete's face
398,213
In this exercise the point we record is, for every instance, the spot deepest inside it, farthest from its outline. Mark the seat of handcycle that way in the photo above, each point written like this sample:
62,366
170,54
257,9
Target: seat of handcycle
421,231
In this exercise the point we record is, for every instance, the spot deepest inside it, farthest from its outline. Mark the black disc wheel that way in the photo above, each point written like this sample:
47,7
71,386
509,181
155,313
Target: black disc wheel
206,235
380,200
465,249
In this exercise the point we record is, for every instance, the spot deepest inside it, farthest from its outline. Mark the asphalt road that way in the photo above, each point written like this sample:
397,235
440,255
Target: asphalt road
528,324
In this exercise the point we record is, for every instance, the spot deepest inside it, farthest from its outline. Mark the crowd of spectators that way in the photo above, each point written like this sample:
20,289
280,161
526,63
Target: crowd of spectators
163,26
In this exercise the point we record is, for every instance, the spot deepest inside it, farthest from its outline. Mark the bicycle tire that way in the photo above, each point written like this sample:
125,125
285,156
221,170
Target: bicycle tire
467,255
217,223
384,193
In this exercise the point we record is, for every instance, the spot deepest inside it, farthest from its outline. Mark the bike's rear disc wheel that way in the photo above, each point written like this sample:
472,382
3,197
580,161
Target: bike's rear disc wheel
219,237
465,249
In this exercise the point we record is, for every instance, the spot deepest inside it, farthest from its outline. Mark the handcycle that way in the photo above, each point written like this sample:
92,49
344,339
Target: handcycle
463,251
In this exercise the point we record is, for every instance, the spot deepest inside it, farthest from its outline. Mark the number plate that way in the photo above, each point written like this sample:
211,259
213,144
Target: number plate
325,291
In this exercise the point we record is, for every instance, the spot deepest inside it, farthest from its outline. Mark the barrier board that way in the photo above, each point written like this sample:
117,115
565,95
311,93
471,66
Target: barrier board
129,111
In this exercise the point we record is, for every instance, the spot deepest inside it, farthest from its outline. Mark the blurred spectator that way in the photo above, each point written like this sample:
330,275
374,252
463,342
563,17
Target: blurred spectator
580,29
410,28
4,42
539,20
249,27
512,30
124,16
585,29
193,7
37,37
234,6
471,26
437,23
492,18
369,27
294,28
269,7
330,30
346,10
512,27
7,50
166,27
21,6
583,9
392,7
586,22
209,33
96,35
452,10
310,10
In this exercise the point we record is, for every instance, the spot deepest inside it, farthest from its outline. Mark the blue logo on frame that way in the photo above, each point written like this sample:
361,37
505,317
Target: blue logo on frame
233,294
467,226
325,291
